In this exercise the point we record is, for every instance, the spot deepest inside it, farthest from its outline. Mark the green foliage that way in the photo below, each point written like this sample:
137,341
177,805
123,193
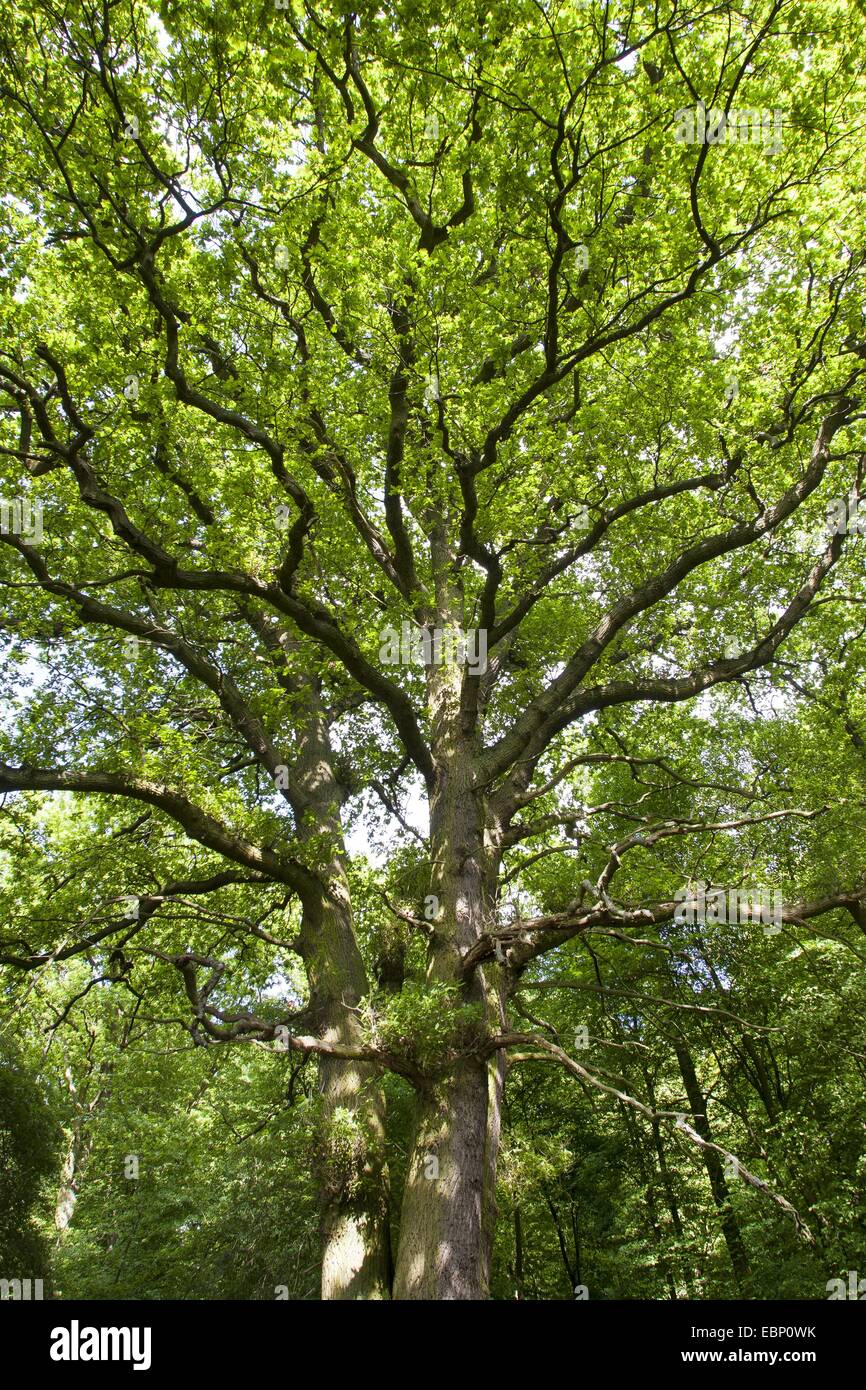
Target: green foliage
29,1141
428,1024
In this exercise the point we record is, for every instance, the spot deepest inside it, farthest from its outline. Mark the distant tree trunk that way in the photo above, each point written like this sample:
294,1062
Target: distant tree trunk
667,1184
648,1181
713,1165
572,1267
74,1162
78,1148
519,1275
760,1078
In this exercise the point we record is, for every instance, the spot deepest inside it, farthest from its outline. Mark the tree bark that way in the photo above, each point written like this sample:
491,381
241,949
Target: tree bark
350,1144
448,1214
351,1167
715,1172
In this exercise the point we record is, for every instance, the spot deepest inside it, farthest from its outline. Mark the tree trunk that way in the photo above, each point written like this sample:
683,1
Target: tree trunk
79,1145
74,1163
715,1171
446,1230
448,1214
350,1143
519,1272
349,1147
668,1187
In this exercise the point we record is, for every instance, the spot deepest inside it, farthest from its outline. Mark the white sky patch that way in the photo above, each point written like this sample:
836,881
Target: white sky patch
160,33
35,673
415,811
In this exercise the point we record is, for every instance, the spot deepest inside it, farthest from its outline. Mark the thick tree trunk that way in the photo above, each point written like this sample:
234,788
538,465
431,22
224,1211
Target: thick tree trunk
353,1178
350,1143
349,1147
446,1230
448,1214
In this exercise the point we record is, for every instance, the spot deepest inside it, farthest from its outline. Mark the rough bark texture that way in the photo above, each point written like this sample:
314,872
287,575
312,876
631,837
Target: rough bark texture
448,1214
352,1172
350,1143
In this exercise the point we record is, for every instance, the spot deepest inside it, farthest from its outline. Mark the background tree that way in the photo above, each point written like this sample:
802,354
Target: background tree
28,1143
